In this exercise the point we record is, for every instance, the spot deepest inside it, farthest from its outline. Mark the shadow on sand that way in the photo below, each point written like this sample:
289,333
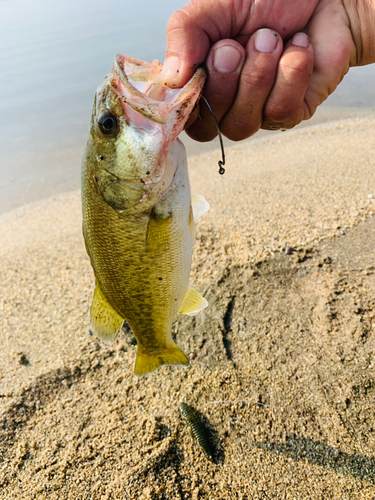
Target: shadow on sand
317,453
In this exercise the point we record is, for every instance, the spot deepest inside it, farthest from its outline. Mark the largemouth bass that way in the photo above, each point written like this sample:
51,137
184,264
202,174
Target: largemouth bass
138,212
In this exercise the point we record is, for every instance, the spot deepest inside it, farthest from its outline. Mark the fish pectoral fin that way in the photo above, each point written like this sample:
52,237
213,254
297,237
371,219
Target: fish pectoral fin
199,204
193,302
158,235
147,362
105,321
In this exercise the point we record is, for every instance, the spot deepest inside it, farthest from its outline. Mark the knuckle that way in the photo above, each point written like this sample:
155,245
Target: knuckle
258,78
200,133
238,127
281,119
282,116
178,21
285,110
297,66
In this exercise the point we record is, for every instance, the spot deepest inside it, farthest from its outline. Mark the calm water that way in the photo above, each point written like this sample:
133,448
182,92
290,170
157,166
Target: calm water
53,55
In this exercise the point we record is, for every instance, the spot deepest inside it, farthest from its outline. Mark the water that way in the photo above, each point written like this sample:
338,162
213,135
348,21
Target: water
53,55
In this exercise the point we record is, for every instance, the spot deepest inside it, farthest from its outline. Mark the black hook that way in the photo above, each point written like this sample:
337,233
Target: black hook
222,161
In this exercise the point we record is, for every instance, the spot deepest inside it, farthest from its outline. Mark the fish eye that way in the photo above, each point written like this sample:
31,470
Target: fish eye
107,123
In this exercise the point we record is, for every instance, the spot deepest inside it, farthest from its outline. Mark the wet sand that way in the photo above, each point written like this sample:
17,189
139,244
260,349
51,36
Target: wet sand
282,361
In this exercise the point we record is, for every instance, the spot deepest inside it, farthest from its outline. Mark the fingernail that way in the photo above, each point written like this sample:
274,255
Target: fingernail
171,67
266,40
301,40
226,59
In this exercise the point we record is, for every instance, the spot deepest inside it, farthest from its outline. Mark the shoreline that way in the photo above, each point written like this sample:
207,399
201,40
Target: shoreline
69,160
264,136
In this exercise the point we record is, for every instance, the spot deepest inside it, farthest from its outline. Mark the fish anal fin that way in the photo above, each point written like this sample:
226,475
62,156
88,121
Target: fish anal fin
105,321
146,362
193,302
199,204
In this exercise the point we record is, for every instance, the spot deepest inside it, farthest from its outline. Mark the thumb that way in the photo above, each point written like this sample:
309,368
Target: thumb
187,47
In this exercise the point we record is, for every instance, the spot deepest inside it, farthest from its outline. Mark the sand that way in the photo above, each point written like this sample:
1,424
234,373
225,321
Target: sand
282,366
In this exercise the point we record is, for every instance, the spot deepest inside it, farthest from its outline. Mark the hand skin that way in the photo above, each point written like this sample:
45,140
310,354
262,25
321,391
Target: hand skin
271,63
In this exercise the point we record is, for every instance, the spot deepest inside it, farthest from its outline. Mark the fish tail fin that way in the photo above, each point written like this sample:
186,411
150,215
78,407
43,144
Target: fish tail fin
147,362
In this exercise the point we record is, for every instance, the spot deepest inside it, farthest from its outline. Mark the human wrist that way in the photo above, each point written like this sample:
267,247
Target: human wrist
361,14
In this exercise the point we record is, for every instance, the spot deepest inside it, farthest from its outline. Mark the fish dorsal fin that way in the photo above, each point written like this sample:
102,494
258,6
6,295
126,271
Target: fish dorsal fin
199,204
105,321
193,302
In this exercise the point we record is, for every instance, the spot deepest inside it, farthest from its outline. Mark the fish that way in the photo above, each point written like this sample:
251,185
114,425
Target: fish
197,429
138,213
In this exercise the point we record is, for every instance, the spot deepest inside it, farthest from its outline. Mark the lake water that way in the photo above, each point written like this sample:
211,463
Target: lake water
53,55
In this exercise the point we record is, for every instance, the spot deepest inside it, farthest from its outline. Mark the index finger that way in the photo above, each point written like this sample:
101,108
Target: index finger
182,58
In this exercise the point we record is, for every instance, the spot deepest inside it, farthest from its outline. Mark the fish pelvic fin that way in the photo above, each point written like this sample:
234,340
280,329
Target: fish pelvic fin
193,302
105,321
199,204
147,362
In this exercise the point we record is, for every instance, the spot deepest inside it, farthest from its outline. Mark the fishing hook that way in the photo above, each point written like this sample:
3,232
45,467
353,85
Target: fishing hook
222,161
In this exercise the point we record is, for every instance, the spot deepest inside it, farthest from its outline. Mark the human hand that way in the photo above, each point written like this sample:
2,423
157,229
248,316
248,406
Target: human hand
254,79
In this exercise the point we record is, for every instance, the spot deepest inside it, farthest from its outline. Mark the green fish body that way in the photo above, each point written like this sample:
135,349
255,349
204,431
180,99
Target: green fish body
138,216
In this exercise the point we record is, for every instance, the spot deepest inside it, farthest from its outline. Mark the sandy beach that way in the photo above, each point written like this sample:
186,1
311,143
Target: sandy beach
282,366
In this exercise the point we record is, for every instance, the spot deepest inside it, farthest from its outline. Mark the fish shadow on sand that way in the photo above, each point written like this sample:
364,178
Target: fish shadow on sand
318,453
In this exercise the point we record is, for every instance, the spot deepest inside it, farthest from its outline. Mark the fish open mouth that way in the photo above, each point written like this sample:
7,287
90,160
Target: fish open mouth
140,85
